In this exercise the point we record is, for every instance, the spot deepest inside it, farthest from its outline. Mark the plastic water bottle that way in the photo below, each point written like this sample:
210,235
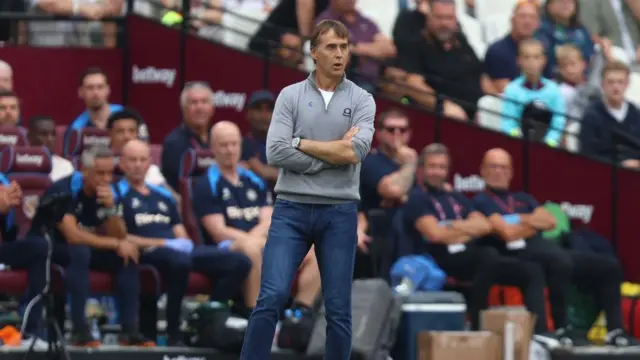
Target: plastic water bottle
95,329
405,288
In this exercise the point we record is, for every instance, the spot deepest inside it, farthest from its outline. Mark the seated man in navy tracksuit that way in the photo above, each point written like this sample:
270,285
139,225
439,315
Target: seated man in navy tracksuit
517,220
232,206
445,225
153,223
94,209
29,253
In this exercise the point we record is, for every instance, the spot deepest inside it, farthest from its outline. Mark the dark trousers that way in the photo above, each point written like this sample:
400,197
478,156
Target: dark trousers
227,268
78,260
29,254
485,267
294,227
600,275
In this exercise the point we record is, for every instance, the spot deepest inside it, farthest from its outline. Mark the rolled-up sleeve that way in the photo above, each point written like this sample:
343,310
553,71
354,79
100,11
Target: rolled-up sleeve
364,117
280,152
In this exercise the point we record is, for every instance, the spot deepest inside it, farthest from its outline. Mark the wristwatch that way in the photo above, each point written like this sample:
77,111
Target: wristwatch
296,142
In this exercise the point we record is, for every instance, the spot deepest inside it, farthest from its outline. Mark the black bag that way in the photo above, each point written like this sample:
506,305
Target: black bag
295,330
376,315
212,325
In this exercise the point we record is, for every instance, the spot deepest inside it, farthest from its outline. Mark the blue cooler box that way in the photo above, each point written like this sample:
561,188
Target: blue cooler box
427,311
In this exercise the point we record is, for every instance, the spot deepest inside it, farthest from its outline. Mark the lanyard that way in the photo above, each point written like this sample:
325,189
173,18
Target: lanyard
509,207
441,213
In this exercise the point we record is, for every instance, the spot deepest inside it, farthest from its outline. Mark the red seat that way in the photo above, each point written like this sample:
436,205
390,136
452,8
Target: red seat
13,136
194,163
86,138
59,144
199,284
156,153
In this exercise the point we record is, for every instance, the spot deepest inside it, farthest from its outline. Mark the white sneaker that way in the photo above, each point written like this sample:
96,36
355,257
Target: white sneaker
38,345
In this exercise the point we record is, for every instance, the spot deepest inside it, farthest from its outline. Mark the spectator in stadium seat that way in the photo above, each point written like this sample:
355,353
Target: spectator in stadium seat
611,114
446,225
533,88
42,132
94,208
29,254
614,21
9,109
500,61
254,144
517,220
410,22
65,33
235,213
291,15
6,76
368,44
196,102
444,71
388,172
153,223
290,51
561,25
123,127
94,91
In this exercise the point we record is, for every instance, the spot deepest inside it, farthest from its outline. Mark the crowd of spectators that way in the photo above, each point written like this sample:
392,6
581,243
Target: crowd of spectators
557,65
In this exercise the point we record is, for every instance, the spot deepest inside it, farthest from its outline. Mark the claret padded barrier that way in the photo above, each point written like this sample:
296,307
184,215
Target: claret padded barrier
594,194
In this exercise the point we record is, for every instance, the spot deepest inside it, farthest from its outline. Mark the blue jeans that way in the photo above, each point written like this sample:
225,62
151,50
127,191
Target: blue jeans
294,228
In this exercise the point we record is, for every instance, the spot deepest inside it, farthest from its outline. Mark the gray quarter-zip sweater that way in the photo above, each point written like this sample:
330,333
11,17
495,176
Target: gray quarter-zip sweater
300,111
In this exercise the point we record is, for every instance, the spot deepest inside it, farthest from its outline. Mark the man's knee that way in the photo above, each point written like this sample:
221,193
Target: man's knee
251,250
240,264
609,267
180,262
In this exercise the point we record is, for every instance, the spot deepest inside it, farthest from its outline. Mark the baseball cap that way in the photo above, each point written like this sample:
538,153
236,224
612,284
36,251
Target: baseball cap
260,97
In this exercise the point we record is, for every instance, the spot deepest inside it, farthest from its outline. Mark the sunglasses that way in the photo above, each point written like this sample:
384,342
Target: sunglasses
394,129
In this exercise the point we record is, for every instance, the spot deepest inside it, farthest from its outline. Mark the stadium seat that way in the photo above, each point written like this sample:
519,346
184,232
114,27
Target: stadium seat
194,163
59,145
472,29
572,136
13,136
156,153
86,138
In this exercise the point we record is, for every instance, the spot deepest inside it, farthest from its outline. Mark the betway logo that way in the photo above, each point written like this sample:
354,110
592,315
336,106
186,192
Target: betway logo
182,357
224,99
471,183
94,140
205,162
26,159
578,212
8,139
152,75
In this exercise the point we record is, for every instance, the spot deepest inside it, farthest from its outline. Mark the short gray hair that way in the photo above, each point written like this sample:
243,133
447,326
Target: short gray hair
433,149
192,85
90,156
6,67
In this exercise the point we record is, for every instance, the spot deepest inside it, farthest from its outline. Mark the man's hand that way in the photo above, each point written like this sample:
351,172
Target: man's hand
406,155
91,12
539,219
128,251
363,241
454,111
14,194
631,164
350,134
105,196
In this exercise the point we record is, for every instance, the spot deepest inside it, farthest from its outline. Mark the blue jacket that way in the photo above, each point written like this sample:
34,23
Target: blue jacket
516,96
553,35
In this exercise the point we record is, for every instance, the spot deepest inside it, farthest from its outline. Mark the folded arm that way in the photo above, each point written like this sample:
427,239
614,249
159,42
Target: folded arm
512,230
431,228
476,225
347,152
280,151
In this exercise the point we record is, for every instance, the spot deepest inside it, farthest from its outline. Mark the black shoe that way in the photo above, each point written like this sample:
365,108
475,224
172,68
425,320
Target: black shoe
135,339
619,338
84,338
571,338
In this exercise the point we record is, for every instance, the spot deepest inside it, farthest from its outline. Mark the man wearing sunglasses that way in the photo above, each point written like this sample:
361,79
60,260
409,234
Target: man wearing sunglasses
388,172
